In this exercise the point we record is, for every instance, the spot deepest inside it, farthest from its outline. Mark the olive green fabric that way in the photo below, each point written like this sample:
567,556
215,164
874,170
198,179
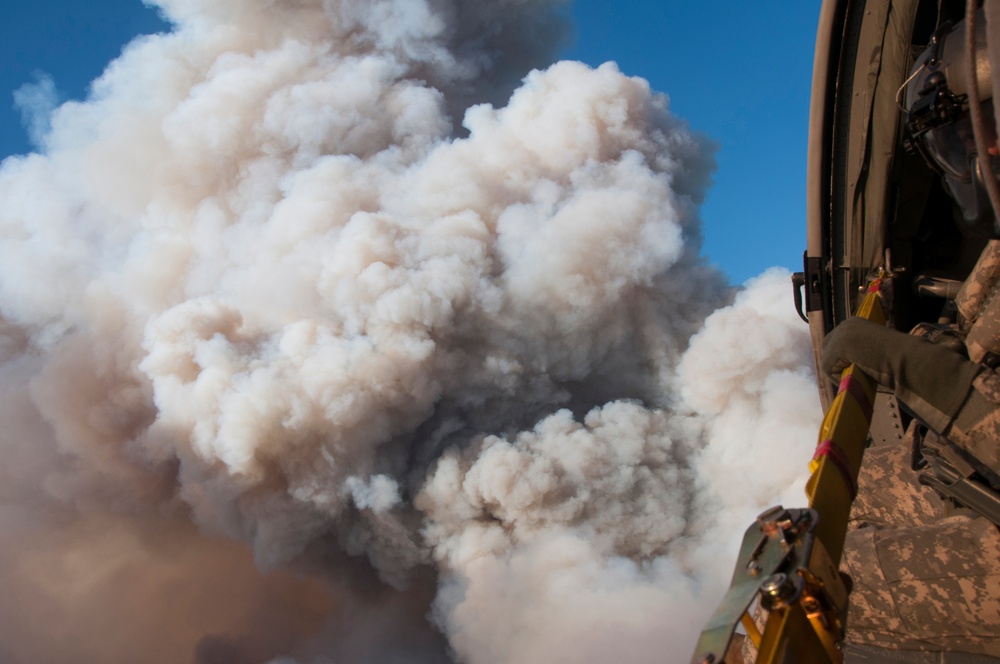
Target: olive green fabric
932,380
867,99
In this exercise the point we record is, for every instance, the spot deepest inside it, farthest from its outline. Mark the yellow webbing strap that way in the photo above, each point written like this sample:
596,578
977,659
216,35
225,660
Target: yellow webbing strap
790,638
791,634
789,559
842,436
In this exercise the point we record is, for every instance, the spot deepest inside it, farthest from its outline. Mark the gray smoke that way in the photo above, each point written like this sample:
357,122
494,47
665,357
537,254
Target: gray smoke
323,343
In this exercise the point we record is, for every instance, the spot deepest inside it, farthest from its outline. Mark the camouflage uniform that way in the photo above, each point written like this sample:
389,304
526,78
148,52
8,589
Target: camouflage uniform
935,581
978,306
925,572
977,427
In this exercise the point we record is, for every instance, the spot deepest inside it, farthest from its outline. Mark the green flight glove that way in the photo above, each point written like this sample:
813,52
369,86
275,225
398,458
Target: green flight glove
932,380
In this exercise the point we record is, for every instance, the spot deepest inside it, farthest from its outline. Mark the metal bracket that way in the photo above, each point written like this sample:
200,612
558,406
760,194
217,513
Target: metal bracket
783,565
966,491
810,279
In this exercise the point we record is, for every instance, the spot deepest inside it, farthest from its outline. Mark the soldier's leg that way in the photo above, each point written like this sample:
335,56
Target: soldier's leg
933,587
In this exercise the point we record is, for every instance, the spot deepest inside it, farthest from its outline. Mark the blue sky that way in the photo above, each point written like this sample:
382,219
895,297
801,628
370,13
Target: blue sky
739,72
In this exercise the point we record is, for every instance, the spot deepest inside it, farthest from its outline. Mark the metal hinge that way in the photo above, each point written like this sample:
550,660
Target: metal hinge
811,279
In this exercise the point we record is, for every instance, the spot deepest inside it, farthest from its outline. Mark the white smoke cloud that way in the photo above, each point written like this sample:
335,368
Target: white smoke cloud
271,290
747,373
611,539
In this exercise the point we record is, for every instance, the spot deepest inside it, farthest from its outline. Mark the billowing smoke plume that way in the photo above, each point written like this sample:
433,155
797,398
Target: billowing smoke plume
322,343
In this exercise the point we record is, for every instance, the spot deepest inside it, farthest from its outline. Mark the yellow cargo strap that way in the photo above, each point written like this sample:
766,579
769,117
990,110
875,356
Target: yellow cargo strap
842,436
789,558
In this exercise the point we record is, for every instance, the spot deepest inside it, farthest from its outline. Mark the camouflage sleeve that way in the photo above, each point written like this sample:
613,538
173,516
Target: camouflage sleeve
983,338
981,282
977,425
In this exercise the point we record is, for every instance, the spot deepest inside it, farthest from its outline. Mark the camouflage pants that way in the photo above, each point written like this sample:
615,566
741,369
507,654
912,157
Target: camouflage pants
926,575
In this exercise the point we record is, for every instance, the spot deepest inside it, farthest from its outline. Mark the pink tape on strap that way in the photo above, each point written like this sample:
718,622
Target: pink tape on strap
853,387
830,449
